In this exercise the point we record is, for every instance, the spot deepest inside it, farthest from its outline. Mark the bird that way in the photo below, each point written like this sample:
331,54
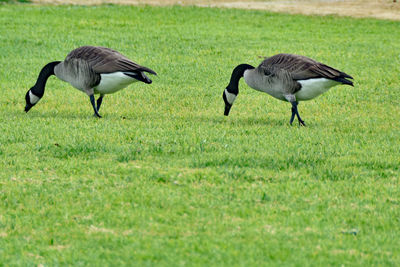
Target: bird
287,77
92,70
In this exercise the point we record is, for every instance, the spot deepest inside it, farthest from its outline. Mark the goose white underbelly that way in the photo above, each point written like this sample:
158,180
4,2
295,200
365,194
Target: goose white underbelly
113,82
312,88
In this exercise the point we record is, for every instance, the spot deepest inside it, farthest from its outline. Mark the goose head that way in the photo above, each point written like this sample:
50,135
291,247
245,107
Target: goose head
232,90
30,99
229,98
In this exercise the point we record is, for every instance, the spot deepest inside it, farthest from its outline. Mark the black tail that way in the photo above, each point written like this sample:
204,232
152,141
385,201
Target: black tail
148,70
343,79
140,76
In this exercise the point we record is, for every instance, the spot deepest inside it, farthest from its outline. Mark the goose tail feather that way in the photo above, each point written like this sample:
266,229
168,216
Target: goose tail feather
343,80
148,70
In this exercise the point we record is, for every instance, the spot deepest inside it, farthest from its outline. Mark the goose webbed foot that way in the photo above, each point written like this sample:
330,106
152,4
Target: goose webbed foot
301,122
296,112
96,113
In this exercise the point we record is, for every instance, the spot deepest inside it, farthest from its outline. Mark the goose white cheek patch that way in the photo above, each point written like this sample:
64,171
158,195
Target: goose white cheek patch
34,99
230,97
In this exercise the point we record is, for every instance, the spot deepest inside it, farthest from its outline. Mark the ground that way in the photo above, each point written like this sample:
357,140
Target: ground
382,9
164,178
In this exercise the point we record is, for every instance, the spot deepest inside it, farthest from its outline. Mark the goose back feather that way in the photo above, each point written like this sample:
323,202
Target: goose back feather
105,60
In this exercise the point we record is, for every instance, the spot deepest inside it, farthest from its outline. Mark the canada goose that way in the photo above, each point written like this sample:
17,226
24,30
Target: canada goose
286,77
92,70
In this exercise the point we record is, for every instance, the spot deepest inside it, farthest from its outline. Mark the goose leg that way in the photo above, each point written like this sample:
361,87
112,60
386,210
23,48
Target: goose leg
94,106
296,112
99,100
292,117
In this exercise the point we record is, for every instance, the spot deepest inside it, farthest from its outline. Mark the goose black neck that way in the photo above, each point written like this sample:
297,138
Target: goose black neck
45,73
237,73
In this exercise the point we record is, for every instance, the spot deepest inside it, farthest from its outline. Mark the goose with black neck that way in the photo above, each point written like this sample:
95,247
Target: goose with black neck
287,77
92,70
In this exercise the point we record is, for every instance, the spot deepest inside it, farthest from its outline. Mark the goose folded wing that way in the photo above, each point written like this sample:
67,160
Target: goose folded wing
317,70
300,67
113,64
106,60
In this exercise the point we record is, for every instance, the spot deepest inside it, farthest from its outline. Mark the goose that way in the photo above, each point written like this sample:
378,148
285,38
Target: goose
92,70
287,77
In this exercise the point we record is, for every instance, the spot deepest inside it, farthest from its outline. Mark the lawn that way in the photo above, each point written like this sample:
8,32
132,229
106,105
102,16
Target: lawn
164,178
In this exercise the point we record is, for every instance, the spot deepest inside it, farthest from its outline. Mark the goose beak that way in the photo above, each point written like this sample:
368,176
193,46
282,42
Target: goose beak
28,107
227,109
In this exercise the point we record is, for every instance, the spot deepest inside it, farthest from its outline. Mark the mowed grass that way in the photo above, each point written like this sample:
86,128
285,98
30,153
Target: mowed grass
164,178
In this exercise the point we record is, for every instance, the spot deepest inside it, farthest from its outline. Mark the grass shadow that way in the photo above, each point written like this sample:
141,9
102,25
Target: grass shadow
244,121
72,115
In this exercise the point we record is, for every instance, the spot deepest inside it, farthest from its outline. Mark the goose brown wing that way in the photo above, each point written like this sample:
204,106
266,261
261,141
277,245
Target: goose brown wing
106,60
301,68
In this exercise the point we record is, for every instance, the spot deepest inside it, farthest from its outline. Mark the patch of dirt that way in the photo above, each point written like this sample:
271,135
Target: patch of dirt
376,9
381,9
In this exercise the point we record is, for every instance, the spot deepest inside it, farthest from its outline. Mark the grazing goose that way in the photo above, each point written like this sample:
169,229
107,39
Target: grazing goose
287,77
92,70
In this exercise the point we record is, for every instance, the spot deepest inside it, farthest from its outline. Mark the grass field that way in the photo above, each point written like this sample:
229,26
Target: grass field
164,178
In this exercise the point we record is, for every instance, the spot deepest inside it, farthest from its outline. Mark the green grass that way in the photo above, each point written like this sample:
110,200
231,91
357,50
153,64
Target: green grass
164,178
